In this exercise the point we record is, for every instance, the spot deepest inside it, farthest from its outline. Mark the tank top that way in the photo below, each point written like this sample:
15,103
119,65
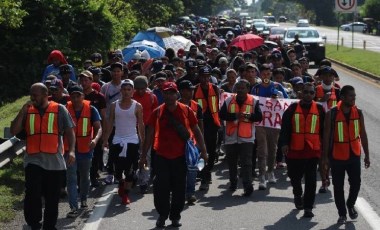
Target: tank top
125,123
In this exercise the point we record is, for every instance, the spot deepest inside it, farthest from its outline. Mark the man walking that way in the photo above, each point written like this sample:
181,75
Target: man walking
45,123
301,138
240,111
167,123
344,135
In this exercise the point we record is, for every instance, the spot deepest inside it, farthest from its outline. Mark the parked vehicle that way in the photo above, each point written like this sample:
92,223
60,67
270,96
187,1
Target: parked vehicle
282,19
277,33
354,26
312,41
303,23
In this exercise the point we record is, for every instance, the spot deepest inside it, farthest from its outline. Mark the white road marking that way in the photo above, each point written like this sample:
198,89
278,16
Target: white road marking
368,213
100,208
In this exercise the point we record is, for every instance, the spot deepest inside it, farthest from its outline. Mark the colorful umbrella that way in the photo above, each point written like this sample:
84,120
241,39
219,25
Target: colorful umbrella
154,50
178,42
149,36
247,41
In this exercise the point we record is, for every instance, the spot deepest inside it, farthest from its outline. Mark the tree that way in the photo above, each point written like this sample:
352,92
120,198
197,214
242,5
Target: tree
371,9
11,14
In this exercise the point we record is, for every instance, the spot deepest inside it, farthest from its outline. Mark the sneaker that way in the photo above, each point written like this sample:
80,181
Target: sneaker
342,220
143,188
308,213
298,202
271,178
83,204
121,189
191,199
109,179
160,223
176,223
125,199
262,183
204,186
322,189
352,212
73,213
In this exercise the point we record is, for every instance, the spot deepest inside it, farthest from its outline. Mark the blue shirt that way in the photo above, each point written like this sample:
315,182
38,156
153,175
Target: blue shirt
159,95
261,91
54,70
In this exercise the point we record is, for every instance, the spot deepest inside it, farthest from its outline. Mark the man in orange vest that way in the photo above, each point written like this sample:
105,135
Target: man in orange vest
326,92
186,89
344,135
240,111
88,132
170,161
45,123
301,138
207,95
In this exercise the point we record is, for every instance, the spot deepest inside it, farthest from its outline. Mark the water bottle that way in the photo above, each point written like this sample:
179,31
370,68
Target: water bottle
105,156
201,164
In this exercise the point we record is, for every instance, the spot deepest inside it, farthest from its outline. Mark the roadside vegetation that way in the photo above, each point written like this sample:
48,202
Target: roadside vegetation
355,57
9,111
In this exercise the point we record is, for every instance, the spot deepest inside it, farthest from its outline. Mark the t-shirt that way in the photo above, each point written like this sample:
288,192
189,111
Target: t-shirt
149,103
52,161
159,95
260,90
97,100
63,101
168,143
111,93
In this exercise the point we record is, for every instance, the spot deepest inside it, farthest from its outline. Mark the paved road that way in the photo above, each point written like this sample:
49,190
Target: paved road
220,209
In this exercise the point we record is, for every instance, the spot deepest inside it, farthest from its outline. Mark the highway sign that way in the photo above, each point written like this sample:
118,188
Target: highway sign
345,6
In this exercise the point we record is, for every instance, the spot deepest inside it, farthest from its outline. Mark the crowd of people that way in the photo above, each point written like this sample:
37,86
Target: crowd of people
144,111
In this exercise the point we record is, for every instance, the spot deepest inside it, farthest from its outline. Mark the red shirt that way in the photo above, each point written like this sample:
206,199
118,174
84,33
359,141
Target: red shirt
168,143
149,102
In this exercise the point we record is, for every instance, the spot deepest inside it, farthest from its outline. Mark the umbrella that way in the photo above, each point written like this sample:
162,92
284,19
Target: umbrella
271,44
203,20
154,50
247,41
148,36
177,42
163,32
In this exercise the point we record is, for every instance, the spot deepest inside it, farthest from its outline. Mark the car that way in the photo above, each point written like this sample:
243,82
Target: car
259,26
312,40
282,19
303,23
355,26
267,28
276,33
270,19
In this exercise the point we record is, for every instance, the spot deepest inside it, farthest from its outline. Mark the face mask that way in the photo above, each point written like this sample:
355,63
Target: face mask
326,87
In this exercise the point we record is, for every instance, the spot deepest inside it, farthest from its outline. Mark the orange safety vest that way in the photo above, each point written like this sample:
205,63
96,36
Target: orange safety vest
212,102
244,126
83,127
194,106
305,129
320,93
346,136
42,131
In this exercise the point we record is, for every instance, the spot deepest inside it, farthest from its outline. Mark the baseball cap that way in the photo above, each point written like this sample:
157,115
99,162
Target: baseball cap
127,82
56,83
205,70
160,76
190,63
75,89
325,69
64,69
116,65
170,86
186,84
157,66
141,82
87,74
276,55
296,80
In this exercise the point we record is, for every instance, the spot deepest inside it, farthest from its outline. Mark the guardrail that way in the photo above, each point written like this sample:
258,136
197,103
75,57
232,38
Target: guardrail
10,149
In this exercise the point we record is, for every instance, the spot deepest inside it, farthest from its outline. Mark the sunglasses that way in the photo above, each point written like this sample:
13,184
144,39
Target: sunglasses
308,92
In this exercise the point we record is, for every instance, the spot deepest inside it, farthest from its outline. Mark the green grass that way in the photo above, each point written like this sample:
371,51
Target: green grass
368,61
11,189
9,111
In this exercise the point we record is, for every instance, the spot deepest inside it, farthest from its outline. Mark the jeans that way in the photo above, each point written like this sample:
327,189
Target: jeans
97,161
41,183
191,179
210,138
297,169
169,186
266,148
244,152
83,168
338,172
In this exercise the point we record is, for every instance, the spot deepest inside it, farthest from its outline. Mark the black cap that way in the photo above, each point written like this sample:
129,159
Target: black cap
95,71
116,65
75,89
64,69
190,63
185,84
205,70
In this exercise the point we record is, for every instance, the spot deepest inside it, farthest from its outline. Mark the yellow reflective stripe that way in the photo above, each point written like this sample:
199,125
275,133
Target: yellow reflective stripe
200,103
297,122
333,103
50,123
213,102
248,109
232,108
31,123
340,131
356,125
84,128
313,123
